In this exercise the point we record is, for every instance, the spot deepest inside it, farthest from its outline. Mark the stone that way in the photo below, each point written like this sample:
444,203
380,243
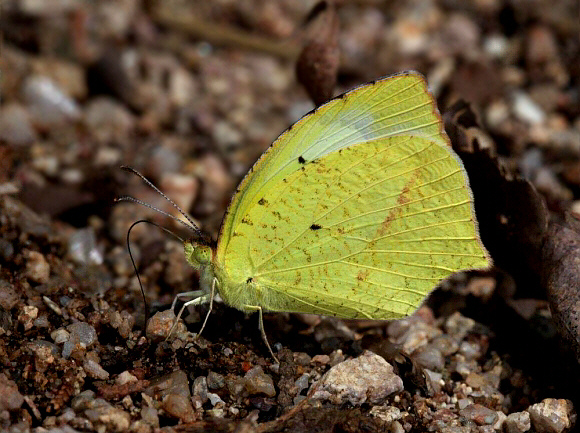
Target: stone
214,399
29,313
552,415
172,383
160,324
82,333
258,382
199,388
215,380
102,414
15,125
526,110
150,416
479,414
517,422
430,357
95,370
179,406
366,379
173,390
10,397
125,377
37,268
457,326
386,413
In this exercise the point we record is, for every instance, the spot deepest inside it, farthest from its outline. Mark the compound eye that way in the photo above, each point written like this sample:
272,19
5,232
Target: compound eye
197,255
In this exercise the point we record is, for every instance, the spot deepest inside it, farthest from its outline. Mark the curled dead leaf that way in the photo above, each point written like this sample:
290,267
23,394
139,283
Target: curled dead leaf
317,65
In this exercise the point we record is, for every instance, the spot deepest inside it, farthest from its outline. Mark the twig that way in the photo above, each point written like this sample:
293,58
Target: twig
226,36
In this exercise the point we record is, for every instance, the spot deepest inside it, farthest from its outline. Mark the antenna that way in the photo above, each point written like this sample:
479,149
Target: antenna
142,203
133,260
192,226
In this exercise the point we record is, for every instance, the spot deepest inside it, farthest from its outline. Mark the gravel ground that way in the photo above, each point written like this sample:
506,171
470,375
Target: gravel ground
190,94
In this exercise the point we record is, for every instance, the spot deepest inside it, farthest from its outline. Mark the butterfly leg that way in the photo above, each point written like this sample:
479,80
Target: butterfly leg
192,294
212,294
197,301
261,326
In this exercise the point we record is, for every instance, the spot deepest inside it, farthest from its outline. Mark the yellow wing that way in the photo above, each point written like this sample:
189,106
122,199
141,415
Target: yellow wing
397,105
365,231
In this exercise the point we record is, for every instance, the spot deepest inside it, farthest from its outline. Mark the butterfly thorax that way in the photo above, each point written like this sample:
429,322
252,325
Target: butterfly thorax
238,294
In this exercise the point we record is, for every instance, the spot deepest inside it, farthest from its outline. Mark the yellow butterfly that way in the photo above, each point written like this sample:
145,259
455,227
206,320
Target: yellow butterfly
358,210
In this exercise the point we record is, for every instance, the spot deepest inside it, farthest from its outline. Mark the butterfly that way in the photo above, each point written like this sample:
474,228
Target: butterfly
358,210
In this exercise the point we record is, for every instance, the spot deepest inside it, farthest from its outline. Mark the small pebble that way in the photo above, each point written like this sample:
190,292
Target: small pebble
15,126
215,380
496,45
160,324
105,416
517,422
226,136
49,105
179,406
83,400
8,296
82,247
41,321
462,403
6,247
214,398
29,313
172,383
542,45
396,427
94,370
501,417
430,357
301,383
435,378
302,358
457,326
37,268
150,416
125,377
236,385
552,415
10,397
60,335
526,110
108,121
258,382
479,414
336,357
320,359
367,378
52,305
83,333
386,413
216,413
470,350
417,335
199,388
475,380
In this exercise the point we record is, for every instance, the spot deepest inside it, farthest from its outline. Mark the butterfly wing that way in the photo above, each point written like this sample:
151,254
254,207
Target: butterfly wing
365,231
397,105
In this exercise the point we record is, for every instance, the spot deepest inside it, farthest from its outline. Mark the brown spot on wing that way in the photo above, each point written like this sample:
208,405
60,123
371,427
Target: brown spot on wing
362,275
402,200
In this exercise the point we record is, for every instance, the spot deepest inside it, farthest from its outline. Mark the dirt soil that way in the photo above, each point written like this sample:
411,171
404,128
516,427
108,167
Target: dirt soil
190,93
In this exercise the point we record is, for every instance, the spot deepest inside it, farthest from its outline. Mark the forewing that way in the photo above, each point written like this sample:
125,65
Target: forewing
397,105
366,231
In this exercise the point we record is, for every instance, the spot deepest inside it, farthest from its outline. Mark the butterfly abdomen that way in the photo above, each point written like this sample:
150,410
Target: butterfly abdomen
240,295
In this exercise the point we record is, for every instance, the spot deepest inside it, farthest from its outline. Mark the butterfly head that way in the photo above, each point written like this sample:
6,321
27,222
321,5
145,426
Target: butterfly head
198,254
